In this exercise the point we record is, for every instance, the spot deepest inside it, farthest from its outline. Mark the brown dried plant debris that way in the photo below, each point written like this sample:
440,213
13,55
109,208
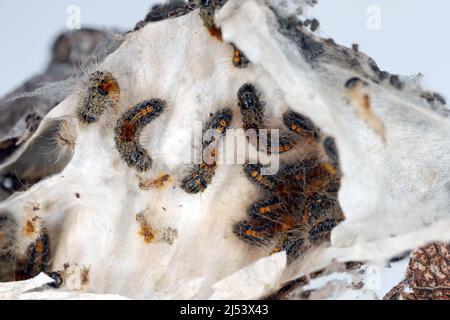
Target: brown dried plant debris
427,276
158,183
294,289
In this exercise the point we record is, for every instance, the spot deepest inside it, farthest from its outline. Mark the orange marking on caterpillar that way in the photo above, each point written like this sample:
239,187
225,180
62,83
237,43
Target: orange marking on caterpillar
281,149
236,58
29,227
239,58
39,247
251,233
267,209
331,168
215,32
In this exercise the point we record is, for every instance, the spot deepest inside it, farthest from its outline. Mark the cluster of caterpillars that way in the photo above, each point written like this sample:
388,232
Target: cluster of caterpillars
299,207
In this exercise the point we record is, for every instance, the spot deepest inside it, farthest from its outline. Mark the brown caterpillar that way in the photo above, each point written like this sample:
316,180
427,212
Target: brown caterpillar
128,129
201,175
102,93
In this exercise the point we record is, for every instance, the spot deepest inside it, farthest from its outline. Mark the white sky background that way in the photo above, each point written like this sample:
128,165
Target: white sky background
411,38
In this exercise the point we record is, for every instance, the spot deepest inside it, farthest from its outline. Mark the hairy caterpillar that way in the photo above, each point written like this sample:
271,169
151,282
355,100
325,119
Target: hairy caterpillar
128,129
300,125
252,109
201,175
102,93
